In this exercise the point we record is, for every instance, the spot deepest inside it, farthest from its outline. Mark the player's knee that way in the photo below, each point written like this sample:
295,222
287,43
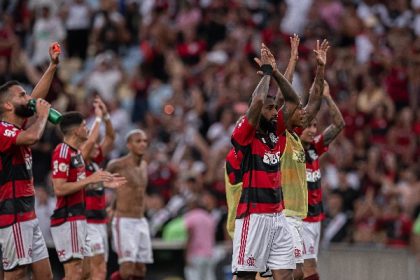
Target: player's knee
17,273
98,271
298,272
140,270
47,276
309,267
246,275
126,272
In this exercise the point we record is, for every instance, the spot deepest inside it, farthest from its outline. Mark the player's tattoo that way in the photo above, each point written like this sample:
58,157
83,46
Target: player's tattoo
258,97
331,132
290,96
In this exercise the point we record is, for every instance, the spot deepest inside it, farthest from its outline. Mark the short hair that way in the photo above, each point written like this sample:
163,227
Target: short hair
132,132
70,120
4,90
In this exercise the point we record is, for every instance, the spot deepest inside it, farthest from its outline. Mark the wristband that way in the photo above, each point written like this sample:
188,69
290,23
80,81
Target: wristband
107,117
98,119
267,69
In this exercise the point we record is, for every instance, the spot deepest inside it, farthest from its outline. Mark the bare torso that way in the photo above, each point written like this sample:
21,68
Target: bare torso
130,197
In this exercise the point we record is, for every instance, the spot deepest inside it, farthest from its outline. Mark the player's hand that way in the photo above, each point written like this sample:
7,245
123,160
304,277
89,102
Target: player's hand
116,182
321,52
54,52
294,46
102,106
100,176
326,91
266,58
42,107
97,107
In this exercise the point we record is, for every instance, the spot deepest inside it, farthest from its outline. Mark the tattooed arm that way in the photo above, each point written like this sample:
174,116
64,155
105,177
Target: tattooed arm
294,56
315,95
331,132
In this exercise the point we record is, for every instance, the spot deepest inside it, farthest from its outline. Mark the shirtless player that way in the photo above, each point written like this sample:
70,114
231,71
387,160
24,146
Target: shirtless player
130,230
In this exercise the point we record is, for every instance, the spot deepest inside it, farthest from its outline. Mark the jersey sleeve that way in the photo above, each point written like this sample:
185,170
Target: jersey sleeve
243,133
281,125
8,137
319,145
61,162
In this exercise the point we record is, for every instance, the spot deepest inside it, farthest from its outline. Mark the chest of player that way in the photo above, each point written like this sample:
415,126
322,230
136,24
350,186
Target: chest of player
77,170
266,150
313,172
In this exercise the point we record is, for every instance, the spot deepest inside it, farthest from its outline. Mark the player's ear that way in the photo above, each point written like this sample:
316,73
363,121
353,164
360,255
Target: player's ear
6,106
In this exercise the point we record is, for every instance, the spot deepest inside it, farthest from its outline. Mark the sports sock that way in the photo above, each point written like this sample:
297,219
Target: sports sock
116,276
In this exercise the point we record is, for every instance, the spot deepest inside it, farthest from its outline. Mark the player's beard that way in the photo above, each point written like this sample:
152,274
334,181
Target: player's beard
23,111
267,125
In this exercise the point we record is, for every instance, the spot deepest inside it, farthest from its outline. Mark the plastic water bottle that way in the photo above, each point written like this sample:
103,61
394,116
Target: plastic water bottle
54,116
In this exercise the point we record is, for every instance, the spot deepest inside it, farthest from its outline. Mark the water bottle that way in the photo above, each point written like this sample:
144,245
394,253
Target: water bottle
53,115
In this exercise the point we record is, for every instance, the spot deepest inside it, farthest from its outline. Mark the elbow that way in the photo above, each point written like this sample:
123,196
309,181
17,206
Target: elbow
32,138
59,191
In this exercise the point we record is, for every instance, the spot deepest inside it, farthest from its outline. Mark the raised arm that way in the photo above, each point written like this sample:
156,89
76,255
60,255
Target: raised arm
290,70
42,87
87,146
294,56
108,141
286,97
315,95
331,132
34,132
261,91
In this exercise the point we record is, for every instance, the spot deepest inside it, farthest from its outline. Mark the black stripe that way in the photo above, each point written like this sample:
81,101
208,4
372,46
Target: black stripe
256,163
239,147
20,171
315,210
94,192
74,210
96,214
312,186
236,173
261,195
17,205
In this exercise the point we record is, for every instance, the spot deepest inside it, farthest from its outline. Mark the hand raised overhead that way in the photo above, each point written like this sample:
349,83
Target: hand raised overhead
321,52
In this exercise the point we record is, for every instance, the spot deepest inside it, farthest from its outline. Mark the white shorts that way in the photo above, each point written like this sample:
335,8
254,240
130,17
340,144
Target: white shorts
261,241
71,240
297,228
98,239
311,234
21,244
131,240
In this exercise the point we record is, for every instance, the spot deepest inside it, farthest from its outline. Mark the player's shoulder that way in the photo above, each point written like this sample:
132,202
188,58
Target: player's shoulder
115,163
61,150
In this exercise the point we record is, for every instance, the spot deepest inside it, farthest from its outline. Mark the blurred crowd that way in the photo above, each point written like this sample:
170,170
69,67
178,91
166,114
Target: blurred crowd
183,71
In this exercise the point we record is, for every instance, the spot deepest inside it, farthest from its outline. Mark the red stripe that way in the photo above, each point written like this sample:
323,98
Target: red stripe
118,237
72,237
23,188
19,254
243,240
76,237
20,239
261,208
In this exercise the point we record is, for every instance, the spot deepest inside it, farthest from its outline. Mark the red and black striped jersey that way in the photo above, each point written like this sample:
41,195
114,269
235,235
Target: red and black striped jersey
17,201
67,163
233,166
260,167
313,177
95,194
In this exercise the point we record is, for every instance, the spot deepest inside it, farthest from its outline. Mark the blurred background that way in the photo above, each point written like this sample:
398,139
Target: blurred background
183,71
